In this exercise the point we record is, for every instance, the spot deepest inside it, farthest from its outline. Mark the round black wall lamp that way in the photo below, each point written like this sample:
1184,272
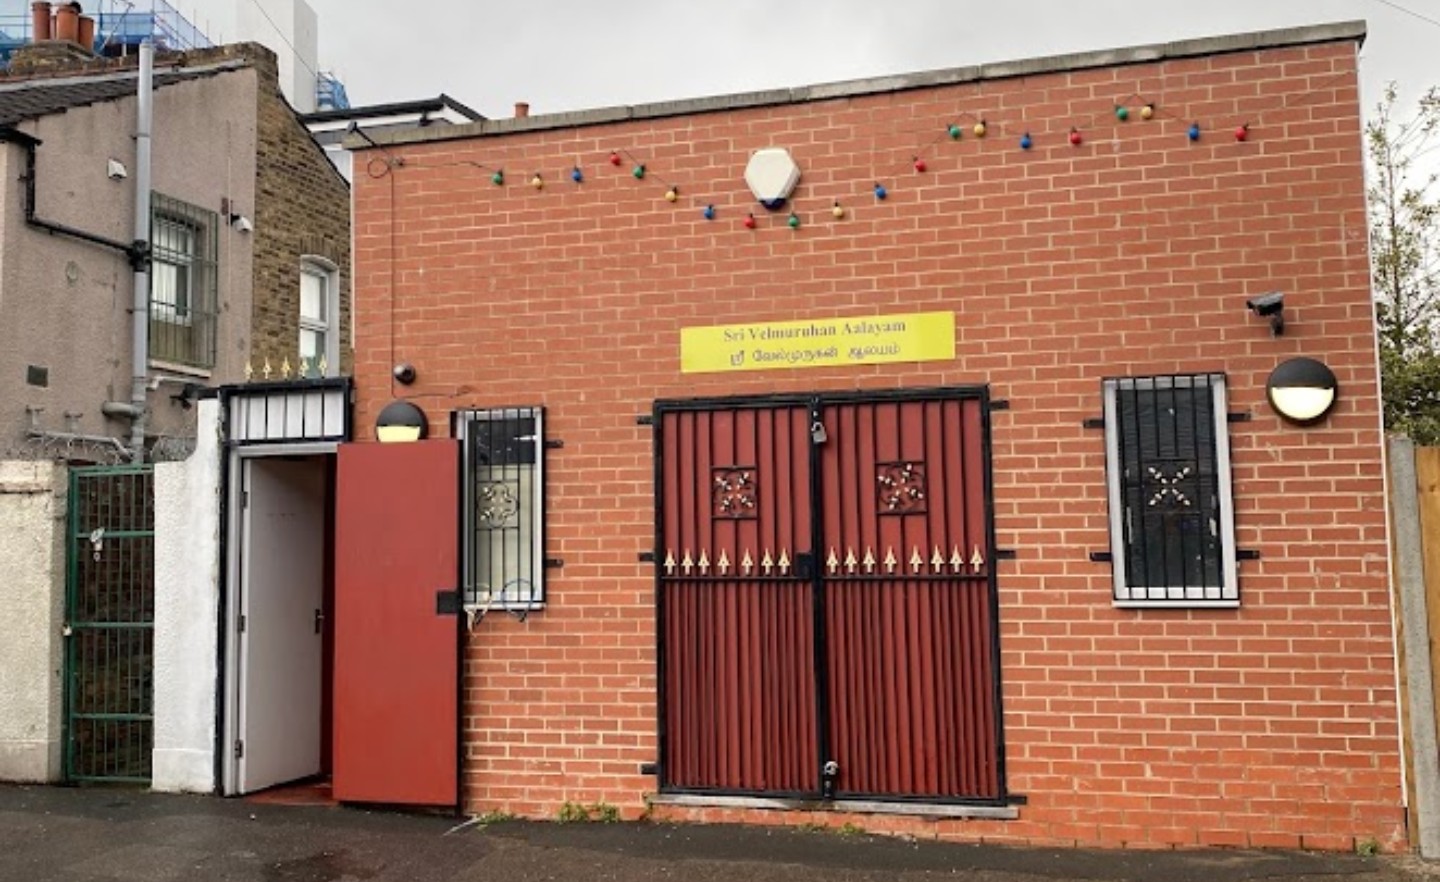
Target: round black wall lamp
1302,390
401,421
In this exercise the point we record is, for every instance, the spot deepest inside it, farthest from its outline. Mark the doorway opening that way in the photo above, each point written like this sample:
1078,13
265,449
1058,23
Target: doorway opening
279,608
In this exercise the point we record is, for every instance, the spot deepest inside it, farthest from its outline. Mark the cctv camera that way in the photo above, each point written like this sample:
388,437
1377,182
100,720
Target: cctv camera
404,373
1267,304
244,225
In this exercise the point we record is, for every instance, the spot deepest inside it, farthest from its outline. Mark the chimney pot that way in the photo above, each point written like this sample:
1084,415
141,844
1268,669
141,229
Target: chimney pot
40,20
522,109
67,23
86,33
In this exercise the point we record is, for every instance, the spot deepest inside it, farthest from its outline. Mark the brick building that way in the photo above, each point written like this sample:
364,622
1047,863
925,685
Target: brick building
246,212
942,496
249,264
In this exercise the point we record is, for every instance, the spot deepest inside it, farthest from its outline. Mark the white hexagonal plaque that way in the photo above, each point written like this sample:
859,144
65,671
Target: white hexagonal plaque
772,175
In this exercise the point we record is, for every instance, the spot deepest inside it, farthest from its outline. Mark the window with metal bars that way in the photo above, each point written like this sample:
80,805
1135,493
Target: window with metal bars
504,514
183,282
1172,521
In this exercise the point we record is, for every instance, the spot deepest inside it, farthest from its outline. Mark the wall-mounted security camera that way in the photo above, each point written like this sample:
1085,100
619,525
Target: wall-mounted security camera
115,170
404,373
1272,307
243,224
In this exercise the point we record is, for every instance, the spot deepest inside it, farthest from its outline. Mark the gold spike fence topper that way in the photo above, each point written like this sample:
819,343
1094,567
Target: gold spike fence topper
266,370
869,561
703,563
890,561
784,562
977,560
669,563
285,368
746,563
766,564
937,560
917,560
832,562
850,561
957,560
686,564
722,563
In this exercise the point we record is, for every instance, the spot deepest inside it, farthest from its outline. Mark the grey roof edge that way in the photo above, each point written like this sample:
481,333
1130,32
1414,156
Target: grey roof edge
1353,30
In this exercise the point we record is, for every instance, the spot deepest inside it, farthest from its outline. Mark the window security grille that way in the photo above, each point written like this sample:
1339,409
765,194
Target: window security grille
1172,521
504,507
183,282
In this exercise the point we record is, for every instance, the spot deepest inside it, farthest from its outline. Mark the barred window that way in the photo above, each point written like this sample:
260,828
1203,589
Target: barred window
1172,522
183,281
504,507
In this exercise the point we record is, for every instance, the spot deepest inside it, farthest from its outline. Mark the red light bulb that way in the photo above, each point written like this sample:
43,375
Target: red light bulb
749,221
615,159
1075,137
919,164
1242,132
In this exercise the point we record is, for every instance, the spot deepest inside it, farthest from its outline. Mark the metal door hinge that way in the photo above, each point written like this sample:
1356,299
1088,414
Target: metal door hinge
240,624
244,498
239,749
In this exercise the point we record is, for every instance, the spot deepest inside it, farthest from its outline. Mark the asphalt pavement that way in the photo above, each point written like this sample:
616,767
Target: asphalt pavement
56,834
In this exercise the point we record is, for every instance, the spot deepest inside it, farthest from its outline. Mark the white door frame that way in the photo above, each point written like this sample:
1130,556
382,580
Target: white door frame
234,517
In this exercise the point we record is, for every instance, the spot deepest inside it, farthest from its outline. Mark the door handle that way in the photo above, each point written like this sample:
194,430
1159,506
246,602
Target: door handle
319,621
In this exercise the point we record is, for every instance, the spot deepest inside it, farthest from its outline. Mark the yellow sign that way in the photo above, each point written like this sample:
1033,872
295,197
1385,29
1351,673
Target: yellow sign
828,342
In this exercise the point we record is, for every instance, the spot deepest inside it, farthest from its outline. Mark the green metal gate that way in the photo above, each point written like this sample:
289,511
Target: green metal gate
110,624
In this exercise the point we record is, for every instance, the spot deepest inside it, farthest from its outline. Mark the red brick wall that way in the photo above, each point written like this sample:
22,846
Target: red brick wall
1270,725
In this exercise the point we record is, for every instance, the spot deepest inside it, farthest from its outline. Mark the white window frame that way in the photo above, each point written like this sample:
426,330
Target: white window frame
478,598
1227,593
318,267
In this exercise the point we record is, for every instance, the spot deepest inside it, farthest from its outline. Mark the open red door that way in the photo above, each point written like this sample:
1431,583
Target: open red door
396,663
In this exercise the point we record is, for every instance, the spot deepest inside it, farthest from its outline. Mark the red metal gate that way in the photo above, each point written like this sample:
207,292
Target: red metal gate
826,602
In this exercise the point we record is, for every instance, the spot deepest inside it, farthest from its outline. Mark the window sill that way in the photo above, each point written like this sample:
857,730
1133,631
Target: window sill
184,370
1176,604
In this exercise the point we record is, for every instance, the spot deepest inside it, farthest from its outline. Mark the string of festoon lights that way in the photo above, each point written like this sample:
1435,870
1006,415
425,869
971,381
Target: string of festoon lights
964,126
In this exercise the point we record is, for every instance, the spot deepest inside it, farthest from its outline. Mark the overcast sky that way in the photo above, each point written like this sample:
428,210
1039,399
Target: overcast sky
574,54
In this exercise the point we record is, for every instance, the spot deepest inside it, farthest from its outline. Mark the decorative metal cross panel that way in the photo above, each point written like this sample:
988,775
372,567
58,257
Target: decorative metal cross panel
497,505
1167,489
902,487
735,492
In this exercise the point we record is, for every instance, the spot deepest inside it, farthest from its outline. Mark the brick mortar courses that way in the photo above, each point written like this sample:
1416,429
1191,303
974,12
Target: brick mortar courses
1271,725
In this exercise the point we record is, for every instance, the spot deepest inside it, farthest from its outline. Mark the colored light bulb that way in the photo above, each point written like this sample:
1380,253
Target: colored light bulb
1242,132
954,132
838,211
537,182
672,194
793,221
615,159
498,178
880,191
1075,137
638,172
576,175
1026,142
919,164
980,129
1147,112
1122,113
1194,132
709,212
749,221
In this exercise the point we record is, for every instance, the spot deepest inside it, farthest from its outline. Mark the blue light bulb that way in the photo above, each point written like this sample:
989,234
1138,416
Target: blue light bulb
1194,131
1026,142
709,212
576,175
880,191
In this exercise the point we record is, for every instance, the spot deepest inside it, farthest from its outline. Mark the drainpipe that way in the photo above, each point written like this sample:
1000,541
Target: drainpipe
140,375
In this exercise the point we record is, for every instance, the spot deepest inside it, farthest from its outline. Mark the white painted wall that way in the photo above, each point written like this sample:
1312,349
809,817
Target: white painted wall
187,591
291,30
32,594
